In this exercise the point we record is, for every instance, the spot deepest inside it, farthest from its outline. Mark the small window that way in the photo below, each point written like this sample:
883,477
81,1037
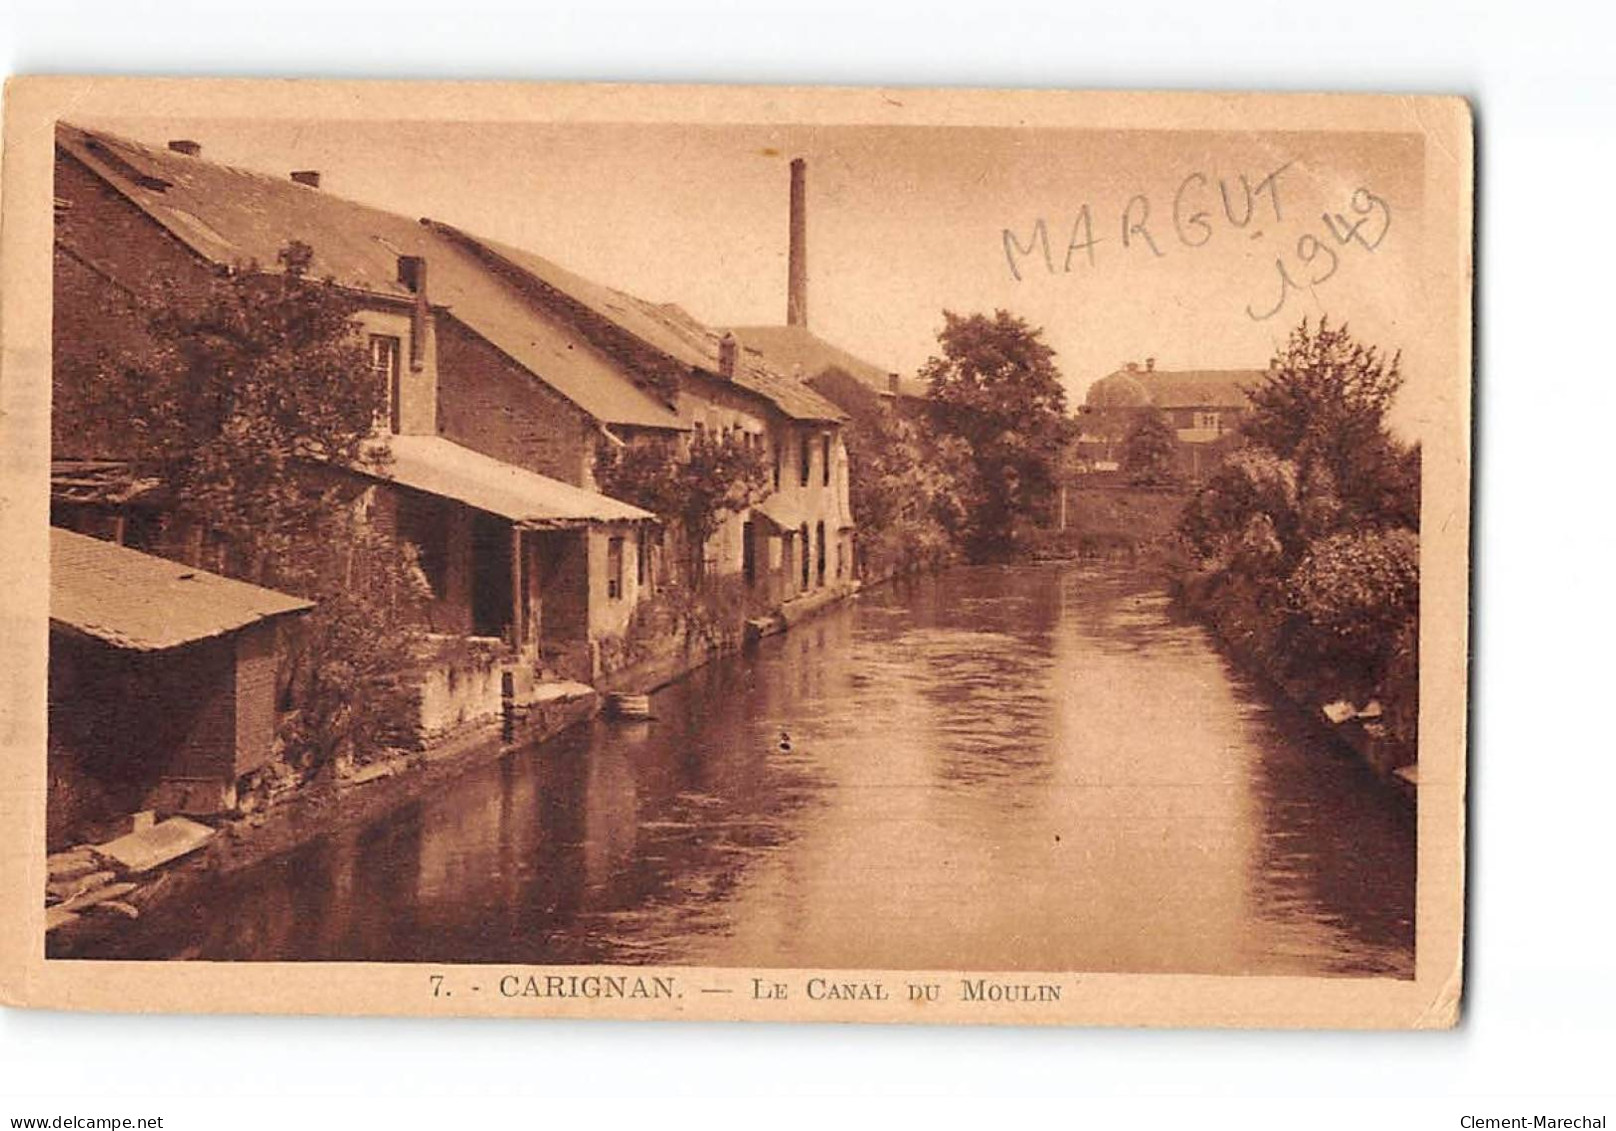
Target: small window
384,355
807,460
642,559
1207,421
778,456
614,569
824,460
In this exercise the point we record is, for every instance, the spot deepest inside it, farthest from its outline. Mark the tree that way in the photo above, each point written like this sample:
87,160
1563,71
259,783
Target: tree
911,493
246,385
1323,406
995,387
1307,539
1147,449
718,475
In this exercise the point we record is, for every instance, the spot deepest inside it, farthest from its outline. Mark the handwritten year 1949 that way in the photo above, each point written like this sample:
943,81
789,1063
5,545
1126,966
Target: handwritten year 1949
1245,205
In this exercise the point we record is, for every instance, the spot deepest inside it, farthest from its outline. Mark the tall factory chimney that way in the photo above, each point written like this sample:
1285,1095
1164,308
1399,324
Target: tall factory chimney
797,266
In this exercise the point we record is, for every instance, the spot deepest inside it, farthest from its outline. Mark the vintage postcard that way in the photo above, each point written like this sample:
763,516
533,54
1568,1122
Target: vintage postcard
921,556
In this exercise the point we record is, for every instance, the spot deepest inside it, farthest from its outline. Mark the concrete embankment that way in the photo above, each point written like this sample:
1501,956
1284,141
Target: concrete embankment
681,657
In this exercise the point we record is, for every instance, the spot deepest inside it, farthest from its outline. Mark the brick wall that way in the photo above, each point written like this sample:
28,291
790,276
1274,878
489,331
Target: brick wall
492,405
256,665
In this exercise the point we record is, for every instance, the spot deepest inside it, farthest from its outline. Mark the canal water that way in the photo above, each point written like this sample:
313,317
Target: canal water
1016,768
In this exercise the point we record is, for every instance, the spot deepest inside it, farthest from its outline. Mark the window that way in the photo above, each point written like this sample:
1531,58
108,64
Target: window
642,571
824,460
778,456
384,355
1207,422
819,560
614,569
807,458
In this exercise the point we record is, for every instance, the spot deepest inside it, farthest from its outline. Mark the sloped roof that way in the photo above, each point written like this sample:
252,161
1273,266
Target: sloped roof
1182,388
148,604
665,327
798,352
231,216
443,468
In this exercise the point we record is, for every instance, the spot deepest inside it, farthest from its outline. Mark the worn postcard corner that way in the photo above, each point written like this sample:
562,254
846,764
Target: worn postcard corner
789,554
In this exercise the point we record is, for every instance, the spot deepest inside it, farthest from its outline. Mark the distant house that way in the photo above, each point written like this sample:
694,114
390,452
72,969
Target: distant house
163,683
1204,406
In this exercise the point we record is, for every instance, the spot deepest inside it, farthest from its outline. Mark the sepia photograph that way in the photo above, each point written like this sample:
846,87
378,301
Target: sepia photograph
592,549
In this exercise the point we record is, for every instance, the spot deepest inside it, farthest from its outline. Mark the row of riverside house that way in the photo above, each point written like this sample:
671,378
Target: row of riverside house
505,374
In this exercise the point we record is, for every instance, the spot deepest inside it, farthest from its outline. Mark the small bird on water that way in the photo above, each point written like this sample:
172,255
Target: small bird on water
785,741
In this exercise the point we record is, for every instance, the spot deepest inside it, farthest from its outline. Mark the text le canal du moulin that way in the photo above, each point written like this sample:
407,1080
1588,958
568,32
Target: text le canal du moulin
817,988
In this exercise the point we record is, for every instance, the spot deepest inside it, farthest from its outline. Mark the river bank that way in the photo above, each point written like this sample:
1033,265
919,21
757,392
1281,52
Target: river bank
315,809
1380,734
278,825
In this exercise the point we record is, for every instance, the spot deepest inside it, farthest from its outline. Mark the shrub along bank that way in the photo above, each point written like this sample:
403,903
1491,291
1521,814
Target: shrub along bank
1303,550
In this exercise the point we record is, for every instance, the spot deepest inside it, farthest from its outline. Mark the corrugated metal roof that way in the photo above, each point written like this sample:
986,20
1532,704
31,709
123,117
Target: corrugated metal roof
443,468
1182,388
799,353
231,216
666,328
148,604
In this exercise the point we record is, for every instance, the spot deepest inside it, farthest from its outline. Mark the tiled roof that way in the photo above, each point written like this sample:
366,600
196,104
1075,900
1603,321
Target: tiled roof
799,353
1182,388
443,468
144,603
230,216
665,327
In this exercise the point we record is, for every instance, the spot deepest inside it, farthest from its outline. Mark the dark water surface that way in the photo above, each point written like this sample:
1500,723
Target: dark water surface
1038,768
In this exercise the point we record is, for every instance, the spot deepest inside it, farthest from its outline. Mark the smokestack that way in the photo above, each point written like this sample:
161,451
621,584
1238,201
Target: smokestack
1150,365
310,177
892,383
186,146
797,267
726,356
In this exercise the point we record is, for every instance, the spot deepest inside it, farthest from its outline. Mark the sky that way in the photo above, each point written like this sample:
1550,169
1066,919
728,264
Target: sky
905,222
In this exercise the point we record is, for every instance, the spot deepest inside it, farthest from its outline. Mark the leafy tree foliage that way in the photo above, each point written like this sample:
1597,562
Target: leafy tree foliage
1307,538
715,476
1357,590
995,386
912,491
247,383
1323,406
1147,449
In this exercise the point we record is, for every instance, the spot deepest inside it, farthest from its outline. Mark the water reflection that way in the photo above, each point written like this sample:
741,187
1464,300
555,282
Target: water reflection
1034,768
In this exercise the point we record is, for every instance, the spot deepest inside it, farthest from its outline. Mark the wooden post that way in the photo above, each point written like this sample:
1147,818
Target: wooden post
518,588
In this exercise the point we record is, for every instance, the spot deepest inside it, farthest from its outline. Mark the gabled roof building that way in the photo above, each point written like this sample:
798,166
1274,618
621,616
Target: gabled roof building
506,373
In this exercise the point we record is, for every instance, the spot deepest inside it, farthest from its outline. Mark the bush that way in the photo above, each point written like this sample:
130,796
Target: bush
1356,591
